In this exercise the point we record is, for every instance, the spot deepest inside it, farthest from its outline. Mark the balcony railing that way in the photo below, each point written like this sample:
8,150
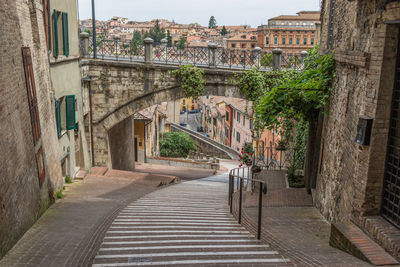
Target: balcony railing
211,56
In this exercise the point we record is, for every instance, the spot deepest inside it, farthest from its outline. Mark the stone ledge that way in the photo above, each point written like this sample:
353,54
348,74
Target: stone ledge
351,239
355,58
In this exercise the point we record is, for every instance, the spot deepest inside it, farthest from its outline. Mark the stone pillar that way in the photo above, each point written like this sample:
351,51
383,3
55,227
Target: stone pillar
257,54
117,40
164,45
276,61
84,49
303,55
148,43
212,60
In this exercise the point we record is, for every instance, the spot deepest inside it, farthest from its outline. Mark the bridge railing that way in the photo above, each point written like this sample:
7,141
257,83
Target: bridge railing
211,56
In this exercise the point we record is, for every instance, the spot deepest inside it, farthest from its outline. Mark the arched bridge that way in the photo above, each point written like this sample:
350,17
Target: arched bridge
121,85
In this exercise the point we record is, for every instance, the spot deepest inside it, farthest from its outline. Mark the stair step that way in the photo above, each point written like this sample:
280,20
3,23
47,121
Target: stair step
351,239
98,171
81,175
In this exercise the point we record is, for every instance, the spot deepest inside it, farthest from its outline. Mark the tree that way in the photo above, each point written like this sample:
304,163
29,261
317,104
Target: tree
136,42
181,43
224,31
175,144
212,22
156,33
169,39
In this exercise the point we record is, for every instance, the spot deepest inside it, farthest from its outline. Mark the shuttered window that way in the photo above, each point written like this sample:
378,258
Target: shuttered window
34,112
70,111
55,33
65,34
58,117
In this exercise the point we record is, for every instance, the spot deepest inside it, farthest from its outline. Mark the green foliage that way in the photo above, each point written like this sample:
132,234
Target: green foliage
68,180
301,94
212,23
169,39
224,31
60,194
266,60
136,43
181,43
156,33
191,79
300,145
252,83
176,144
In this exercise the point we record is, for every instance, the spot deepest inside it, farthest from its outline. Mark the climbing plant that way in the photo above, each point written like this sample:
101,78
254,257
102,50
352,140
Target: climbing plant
191,79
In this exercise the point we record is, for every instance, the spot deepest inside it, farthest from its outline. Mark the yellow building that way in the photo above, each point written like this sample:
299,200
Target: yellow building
188,104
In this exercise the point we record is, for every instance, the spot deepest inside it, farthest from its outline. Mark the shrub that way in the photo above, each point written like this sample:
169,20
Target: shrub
176,145
68,180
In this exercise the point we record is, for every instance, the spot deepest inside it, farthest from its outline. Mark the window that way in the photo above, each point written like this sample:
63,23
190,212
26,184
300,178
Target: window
234,115
253,45
275,40
244,121
305,41
243,45
70,112
233,45
251,124
58,117
60,33
267,40
226,132
214,121
312,41
238,117
238,137
298,40
283,40
290,40
227,116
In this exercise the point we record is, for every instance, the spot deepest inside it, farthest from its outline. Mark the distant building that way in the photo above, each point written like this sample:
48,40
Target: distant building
291,33
242,41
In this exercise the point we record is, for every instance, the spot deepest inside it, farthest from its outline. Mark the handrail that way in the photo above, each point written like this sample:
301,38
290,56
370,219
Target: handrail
239,187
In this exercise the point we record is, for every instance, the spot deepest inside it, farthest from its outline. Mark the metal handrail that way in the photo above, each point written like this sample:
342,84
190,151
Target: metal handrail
235,174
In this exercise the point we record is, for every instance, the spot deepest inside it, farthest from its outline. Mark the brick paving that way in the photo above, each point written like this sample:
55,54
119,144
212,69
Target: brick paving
70,232
291,225
186,224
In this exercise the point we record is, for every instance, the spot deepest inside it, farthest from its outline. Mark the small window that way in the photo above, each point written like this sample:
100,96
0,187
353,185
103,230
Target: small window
275,40
238,117
227,116
283,40
312,41
243,45
305,41
251,124
238,137
244,121
60,33
298,41
290,40
233,45
253,46
267,40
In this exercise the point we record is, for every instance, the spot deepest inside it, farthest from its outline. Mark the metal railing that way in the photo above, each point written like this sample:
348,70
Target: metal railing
241,175
211,56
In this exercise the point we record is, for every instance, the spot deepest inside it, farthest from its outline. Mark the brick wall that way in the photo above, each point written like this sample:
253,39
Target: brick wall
350,180
22,200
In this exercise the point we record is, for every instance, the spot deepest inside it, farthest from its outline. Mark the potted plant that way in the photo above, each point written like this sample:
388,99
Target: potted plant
246,155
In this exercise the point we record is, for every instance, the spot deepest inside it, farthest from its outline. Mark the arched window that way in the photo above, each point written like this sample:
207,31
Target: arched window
267,40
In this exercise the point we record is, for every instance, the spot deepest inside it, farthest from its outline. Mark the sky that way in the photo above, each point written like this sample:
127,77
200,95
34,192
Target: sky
226,12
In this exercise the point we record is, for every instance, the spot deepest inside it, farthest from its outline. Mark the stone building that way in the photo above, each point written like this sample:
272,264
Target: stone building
291,33
358,172
65,72
29,163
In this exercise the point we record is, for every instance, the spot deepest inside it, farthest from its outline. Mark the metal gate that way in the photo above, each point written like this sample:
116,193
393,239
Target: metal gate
391,189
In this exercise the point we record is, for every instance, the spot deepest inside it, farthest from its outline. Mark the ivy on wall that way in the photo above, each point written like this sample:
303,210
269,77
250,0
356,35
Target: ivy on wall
191,79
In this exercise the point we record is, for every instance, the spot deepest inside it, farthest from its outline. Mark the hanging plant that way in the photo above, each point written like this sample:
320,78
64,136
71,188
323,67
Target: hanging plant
191,80
246,157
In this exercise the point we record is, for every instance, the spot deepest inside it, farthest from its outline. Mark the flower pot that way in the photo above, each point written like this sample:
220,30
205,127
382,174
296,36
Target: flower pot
249,163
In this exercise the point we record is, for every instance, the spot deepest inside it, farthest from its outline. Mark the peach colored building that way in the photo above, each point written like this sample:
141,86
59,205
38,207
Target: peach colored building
291,33
242,41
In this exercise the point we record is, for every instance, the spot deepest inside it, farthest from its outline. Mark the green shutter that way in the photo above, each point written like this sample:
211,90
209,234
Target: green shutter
70,111
58,117
65,34
55,26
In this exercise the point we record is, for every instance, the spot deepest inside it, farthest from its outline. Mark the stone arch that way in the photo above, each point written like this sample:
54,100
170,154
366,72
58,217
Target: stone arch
120,89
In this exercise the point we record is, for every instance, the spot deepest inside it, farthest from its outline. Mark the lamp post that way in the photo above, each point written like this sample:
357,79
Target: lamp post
94,30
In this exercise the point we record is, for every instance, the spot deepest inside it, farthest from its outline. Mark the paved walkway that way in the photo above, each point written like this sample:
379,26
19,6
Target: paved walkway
69,233
186,224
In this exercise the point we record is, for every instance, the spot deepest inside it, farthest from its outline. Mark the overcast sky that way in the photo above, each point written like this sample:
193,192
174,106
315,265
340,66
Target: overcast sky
227,12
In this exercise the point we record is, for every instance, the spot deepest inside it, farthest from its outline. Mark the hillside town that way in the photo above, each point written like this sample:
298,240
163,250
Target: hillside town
127,142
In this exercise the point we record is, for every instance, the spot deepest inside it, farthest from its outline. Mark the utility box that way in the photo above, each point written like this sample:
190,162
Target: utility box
364,128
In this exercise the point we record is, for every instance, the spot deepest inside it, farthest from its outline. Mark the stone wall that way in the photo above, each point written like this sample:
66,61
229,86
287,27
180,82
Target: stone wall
119,89
350,179
22,199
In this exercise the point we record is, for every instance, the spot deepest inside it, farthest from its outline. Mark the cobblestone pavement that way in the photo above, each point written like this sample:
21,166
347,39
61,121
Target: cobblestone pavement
186,224
291,225
70,232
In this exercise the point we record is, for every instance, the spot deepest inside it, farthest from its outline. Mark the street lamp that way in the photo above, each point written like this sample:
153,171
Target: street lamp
94,30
